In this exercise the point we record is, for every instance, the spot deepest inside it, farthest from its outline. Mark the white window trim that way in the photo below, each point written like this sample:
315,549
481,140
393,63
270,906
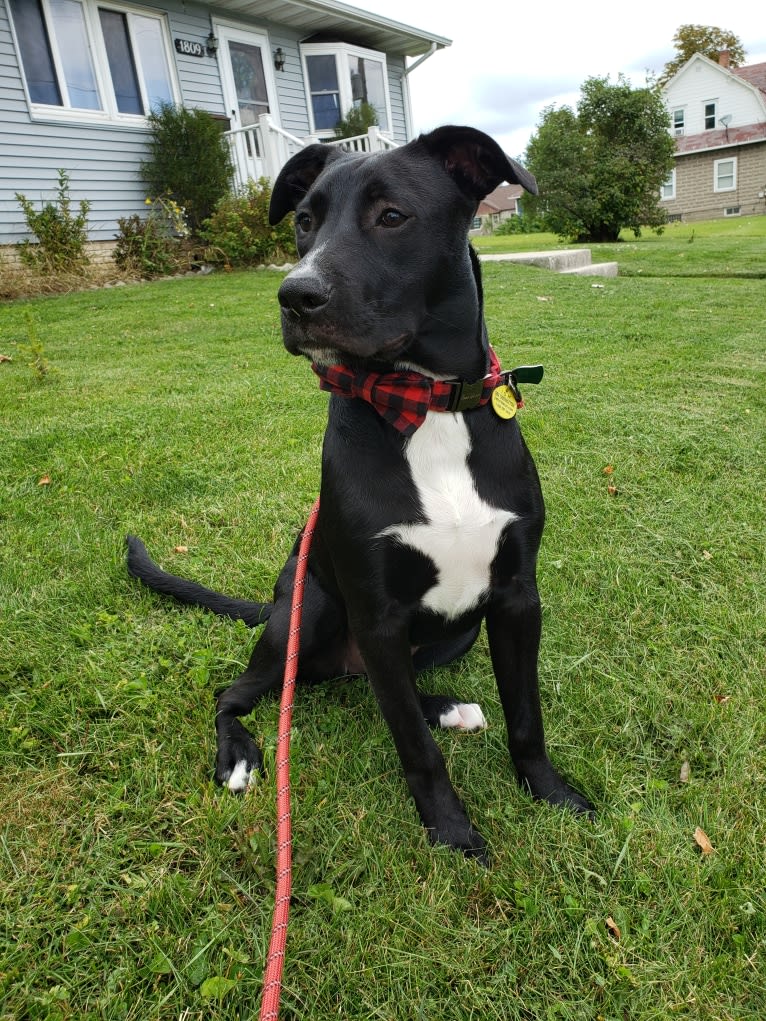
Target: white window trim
716,164
109,114
705,104
344,82
671,197
678,129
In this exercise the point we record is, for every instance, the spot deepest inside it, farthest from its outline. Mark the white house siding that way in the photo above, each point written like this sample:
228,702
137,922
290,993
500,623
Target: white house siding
103,160
702,81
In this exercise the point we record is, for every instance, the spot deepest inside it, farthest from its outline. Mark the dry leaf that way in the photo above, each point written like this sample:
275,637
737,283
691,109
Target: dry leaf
613,929
703,841
608,470
706,555
543,297
44,480
5,358
180,549
685,773
722,699
612,490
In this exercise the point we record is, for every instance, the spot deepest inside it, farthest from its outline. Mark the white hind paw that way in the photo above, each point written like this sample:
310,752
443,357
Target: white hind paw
463,716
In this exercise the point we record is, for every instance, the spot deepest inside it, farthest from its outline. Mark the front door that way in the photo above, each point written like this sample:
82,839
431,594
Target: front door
248,90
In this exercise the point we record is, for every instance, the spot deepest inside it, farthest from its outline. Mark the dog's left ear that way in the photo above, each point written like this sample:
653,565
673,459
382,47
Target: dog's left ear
297,176
475,161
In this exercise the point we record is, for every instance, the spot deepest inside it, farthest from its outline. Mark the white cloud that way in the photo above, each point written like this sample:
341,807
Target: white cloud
507,63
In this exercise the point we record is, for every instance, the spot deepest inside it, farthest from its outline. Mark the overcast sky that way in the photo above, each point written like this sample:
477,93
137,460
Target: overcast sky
510,60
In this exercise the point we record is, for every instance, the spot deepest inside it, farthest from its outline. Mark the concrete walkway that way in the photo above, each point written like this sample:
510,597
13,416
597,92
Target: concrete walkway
574,260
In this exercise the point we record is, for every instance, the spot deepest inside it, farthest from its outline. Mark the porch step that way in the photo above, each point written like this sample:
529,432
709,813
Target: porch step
574,260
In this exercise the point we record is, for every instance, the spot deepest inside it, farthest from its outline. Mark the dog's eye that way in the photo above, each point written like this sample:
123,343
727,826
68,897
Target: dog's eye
304,222
391,218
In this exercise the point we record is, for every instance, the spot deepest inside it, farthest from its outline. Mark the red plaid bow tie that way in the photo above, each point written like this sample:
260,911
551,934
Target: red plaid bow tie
404,398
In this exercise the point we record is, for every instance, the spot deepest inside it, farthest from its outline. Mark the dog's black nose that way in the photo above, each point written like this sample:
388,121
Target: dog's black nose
303,295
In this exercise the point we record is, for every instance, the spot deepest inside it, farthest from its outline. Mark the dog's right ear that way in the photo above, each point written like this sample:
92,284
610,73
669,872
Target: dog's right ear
296,177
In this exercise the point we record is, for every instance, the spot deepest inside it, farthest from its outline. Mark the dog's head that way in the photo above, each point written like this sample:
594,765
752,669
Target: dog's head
385,274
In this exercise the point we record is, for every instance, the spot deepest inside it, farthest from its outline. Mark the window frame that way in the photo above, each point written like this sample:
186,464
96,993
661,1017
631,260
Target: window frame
678,118
717,174
708,104
108,113
671,184
341,52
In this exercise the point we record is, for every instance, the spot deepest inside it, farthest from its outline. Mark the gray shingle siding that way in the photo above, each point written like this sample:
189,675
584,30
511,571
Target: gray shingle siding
103,160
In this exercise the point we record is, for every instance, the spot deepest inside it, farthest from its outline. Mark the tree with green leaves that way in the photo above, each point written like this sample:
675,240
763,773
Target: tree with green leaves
705,39
600,168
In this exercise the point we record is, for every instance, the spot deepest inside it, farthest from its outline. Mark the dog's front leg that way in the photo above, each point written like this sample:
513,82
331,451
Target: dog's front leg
513,628
388,660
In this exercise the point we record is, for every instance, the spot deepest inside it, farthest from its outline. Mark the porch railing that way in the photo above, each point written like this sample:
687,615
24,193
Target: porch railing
262,149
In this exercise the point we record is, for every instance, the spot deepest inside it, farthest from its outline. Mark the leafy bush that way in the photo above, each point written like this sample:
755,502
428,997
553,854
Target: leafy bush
239,232
357,121
188,160
61,235
152,247
519,225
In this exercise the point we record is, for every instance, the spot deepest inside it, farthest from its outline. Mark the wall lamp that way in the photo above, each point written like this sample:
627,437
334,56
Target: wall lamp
211,45
279,59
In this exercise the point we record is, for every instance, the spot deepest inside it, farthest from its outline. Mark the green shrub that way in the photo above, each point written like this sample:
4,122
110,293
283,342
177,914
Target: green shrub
154,246
188,160
519,225
61,235
239,232
357,121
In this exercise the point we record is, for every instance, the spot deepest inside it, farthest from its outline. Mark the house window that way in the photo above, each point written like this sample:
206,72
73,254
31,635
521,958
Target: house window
678,122
709,116
341,77
733,211
725,174
86,60
668,189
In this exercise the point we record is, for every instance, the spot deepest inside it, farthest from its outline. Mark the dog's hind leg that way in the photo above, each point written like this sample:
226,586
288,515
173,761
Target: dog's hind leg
445,710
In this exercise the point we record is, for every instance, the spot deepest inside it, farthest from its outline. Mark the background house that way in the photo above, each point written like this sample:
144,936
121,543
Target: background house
77,78
718,116
499,205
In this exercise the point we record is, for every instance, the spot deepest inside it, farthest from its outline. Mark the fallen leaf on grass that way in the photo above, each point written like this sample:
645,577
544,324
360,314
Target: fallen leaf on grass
685,773
44,480
5,358
707,555
608,470
613,929
703,841
180,549
722,699
544,297
612,490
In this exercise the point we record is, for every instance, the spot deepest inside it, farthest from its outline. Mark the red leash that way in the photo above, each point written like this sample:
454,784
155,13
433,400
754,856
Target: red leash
272,978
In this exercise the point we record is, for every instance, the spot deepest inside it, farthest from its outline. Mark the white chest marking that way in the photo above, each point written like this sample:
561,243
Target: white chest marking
461,532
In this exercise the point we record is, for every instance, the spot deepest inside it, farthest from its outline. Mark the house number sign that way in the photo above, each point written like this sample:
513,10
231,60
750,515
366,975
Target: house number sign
189,48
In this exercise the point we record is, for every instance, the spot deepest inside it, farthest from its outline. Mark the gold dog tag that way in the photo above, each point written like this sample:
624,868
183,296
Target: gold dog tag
503,402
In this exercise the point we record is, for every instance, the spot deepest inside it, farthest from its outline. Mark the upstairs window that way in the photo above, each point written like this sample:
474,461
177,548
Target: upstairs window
678,122
340,77
709,116
87,60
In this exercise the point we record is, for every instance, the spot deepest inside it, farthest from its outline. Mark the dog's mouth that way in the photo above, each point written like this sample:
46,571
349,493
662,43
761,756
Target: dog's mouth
356,355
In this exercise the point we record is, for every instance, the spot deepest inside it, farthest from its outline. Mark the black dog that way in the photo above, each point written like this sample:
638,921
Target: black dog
430,520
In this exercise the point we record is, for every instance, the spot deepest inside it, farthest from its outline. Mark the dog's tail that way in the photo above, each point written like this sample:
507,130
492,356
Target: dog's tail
141,566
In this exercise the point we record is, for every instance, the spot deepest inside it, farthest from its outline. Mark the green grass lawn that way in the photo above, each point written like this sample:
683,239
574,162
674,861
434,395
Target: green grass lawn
132,888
